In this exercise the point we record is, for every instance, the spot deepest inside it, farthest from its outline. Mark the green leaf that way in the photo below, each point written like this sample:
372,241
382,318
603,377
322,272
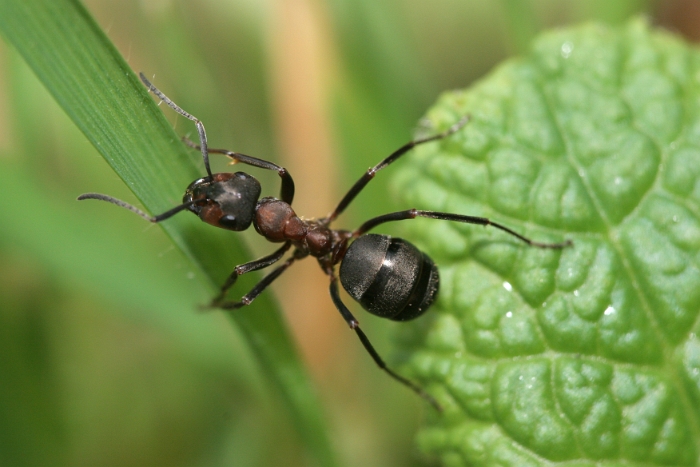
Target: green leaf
97,89
587,355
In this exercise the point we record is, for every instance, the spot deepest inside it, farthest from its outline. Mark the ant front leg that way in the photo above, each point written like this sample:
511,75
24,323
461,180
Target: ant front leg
287,189
355,326
200,126
446,216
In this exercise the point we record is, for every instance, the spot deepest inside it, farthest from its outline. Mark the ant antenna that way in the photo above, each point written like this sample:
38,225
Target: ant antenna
184,113
118,202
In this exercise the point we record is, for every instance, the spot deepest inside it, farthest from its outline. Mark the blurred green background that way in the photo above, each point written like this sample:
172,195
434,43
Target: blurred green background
104,360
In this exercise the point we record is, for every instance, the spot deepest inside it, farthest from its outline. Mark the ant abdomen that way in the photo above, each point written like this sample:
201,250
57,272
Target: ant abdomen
389,277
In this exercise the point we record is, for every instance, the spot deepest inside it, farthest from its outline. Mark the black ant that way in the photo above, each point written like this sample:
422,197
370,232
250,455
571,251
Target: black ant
388,276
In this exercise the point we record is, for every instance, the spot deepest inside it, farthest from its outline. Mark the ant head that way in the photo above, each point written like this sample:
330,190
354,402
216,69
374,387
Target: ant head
225,200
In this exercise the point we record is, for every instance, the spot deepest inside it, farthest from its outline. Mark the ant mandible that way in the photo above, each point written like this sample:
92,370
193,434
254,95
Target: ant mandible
388,276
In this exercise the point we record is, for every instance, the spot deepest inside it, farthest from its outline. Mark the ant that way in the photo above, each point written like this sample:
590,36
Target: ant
387,276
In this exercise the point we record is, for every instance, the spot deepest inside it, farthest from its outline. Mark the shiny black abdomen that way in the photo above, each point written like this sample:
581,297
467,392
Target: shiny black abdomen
389,277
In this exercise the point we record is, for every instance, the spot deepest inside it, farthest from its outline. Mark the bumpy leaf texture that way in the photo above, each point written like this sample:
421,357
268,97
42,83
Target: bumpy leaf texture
588,355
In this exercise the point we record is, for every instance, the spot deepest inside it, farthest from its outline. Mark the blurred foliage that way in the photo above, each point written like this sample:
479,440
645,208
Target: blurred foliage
104,360
93,84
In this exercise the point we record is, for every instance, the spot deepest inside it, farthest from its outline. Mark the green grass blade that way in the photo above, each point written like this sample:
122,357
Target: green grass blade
97,89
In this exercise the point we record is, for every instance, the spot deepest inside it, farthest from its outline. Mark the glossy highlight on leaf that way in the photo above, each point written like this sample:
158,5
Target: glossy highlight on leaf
587,355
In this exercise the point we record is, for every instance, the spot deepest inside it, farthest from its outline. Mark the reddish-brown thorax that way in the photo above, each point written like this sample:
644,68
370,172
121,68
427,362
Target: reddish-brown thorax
277,222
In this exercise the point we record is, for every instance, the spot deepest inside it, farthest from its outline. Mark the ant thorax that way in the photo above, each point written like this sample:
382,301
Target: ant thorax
277,222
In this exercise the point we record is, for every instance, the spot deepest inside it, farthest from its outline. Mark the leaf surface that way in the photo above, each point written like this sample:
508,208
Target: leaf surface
587,355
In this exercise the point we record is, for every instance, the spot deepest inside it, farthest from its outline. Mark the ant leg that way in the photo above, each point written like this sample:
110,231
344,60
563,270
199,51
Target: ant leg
160,217
355,326
259,287
369,175
241,269
445,216
287,189
178,109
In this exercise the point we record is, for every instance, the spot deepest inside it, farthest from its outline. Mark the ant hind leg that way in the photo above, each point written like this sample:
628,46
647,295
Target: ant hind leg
355,326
